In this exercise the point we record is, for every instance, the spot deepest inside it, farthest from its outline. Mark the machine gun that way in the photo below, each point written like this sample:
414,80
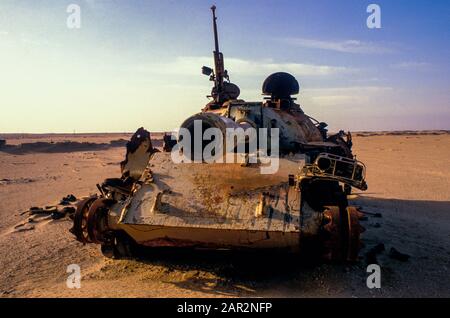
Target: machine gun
222,91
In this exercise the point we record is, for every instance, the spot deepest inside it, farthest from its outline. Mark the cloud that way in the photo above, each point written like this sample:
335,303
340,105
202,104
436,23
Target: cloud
345,46
186,65
417,66
344,96
95,4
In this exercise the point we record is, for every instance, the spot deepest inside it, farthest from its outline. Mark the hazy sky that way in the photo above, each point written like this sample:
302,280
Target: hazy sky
137,63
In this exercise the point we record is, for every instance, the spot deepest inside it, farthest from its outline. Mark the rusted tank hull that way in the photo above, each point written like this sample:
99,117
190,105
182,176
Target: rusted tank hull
167,236
227,205
211,205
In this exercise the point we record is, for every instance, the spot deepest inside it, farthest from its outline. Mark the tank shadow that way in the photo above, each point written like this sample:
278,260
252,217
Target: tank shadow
417,228
230,272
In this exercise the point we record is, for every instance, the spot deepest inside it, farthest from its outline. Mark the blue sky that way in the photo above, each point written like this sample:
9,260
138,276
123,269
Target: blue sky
137,63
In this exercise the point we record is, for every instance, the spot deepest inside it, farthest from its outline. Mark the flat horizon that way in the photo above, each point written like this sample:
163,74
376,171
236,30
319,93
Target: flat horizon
162,132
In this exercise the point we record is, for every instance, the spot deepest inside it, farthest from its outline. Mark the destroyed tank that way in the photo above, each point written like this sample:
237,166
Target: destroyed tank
301,205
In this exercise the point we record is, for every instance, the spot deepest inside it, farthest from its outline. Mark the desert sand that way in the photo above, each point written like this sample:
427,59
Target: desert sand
408,174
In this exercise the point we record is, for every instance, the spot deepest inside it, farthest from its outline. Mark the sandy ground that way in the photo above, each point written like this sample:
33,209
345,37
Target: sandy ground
409,183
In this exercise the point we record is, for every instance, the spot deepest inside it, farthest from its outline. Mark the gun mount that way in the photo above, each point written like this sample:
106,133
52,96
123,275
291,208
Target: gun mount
222,90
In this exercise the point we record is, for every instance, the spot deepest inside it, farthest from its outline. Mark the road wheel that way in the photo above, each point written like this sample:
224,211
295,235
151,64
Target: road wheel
341,234
79,228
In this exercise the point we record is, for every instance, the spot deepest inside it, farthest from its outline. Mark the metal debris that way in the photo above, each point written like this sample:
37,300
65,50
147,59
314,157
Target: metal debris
375,215
67,200
371,255
59,214
45,210
395,254
55,212
168,142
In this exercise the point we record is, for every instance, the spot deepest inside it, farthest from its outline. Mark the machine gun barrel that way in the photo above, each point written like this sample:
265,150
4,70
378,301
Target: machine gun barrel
219,69
216,37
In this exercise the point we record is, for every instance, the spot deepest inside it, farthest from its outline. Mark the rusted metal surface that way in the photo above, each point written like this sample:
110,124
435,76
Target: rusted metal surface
168,142
211,238
342,233
79,228
139,150
295,128
345,170
97,220
221,196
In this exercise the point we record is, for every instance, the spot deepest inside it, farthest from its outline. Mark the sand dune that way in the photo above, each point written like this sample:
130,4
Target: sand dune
66,146
35,143
402,133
